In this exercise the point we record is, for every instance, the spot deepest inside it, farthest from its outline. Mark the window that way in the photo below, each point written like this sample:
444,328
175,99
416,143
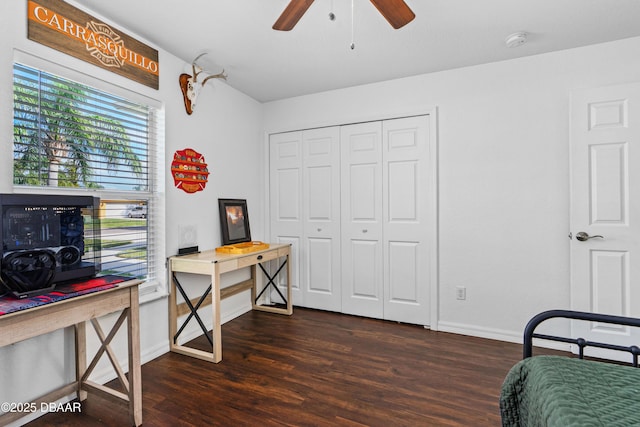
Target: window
71,137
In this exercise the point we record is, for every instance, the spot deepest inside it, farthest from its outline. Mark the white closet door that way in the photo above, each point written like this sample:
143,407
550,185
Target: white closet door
406,220
362,285
321,211
285,188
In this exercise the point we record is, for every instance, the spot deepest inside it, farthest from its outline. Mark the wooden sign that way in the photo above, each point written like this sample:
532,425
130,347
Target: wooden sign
63,27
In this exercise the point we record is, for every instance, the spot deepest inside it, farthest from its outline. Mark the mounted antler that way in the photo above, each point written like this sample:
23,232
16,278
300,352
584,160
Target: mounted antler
191,87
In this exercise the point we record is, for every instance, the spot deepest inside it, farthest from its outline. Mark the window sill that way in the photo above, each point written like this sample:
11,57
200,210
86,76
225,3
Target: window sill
150,292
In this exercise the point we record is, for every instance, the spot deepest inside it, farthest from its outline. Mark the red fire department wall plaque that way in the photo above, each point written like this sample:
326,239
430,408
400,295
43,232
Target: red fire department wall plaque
189,170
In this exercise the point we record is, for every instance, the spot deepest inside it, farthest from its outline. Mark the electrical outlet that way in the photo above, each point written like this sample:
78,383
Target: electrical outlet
461,292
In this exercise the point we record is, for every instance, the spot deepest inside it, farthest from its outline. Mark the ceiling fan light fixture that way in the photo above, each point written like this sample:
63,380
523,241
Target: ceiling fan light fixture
516,39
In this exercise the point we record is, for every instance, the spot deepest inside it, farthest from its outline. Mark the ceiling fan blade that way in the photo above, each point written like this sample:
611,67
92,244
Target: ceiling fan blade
395,11
292,14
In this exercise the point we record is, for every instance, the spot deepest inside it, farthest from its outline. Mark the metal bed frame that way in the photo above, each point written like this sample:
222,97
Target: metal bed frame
529,333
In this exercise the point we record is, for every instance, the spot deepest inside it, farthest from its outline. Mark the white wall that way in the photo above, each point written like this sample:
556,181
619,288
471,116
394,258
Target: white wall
226,128
503,173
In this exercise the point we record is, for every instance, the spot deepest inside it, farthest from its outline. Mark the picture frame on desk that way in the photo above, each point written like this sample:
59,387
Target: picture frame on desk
234,221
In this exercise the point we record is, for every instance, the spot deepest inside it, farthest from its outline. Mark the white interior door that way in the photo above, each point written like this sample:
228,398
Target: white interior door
321,211
285,189
406,220
361,166
605,201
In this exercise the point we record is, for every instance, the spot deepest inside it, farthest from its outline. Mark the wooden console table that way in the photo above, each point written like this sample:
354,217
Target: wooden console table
214,264
25,324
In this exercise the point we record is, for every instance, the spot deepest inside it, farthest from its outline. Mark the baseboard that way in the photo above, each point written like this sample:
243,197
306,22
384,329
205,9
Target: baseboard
156,351
232,314
480,332
498,334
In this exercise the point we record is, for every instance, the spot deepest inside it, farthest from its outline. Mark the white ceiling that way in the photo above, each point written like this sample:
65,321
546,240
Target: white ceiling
316,56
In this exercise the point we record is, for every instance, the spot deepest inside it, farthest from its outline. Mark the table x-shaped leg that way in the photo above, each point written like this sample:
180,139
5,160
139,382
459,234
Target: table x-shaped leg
105,342
130,382
193,309
271,283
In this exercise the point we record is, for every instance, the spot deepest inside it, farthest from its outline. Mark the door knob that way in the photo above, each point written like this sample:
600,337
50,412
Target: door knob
583,237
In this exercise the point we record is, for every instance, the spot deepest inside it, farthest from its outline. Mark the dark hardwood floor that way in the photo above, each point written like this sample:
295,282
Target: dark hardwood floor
319,369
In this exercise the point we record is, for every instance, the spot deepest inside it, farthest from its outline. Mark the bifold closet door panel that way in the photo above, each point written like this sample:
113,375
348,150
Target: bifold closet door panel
362,251
285,205
405,152
321,219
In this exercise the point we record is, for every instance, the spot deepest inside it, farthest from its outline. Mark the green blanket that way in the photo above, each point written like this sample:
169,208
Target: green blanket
559,391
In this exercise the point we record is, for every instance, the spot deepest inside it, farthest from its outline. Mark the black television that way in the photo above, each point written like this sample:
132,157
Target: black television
46,240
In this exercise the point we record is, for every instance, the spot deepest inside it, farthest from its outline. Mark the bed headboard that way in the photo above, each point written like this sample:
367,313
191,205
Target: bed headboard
529,334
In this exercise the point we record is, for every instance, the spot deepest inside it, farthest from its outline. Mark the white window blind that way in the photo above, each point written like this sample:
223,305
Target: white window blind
70,137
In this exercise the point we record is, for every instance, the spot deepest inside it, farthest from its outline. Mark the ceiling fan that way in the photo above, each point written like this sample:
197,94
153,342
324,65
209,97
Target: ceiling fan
395,11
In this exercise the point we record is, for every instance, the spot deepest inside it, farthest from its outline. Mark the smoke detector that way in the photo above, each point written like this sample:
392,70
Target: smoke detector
516,39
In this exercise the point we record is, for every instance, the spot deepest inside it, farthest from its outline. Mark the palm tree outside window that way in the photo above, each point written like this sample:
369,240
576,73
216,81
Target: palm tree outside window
70,138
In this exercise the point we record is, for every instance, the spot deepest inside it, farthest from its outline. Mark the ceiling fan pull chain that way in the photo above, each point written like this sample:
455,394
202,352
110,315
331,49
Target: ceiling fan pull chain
353,44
